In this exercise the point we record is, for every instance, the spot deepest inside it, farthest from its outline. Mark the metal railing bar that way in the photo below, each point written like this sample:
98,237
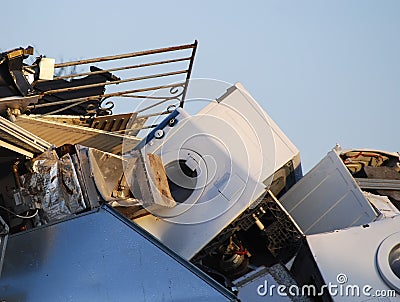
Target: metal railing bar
158,75
94,97
118,69
65,108
145,97
189,73
158,103
127,55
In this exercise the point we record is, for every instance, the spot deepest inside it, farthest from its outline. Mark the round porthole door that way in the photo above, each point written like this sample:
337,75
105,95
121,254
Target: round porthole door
187,177
388,260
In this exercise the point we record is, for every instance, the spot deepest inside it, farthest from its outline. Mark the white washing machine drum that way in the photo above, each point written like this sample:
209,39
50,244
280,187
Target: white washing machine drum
388,261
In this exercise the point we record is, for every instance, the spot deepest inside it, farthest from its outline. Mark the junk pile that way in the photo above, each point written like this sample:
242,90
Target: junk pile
163,205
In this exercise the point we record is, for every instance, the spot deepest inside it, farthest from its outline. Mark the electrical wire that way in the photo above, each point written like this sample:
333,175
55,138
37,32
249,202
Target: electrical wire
20,216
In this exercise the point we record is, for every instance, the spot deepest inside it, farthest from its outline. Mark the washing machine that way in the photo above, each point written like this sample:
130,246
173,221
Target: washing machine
218,162
362,263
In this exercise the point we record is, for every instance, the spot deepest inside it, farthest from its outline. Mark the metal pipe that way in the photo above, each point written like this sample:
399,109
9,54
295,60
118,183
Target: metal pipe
65,108
95,97
127,55
189,73
154,114
158,103
117,69
146,97
159,75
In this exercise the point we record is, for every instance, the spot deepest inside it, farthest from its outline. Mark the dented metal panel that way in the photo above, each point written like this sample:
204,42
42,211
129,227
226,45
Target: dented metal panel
100,256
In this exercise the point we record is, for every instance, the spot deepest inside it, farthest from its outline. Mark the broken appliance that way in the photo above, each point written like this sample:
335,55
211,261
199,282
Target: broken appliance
39,188
157,202
365,258
219,163
348,208
67,165
57,222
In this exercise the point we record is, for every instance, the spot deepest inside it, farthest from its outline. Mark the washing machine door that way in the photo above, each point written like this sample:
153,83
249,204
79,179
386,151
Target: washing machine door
186,172
388,261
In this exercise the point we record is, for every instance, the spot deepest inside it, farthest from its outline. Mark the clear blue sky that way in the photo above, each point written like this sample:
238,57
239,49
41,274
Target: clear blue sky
326,71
